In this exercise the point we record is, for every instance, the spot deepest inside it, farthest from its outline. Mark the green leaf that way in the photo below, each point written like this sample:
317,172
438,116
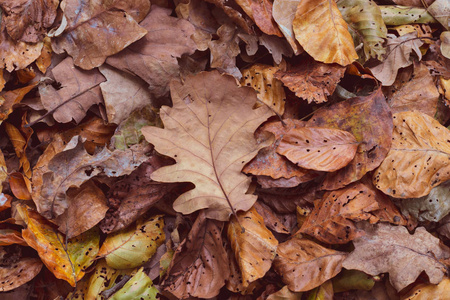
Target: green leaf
140,286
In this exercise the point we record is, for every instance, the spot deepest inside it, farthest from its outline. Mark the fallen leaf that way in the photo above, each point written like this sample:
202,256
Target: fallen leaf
211,140
135,245
140,286
269,90
323,292
262,15
304,264
445,44
45,59
429,291
321,30
352,280
391,249
444,89
28,20
286,200
19,273
58,169
285,294
67,260
87,207
254,246
199,266
417,160
417,94
9,98
19,186
369,119
283,13
123,93
312,80
271,220
106,26
416,3
237,17
398,55
235,283
276,46
440,10
20,145
320,149
154,57
365,18
79,91
11,236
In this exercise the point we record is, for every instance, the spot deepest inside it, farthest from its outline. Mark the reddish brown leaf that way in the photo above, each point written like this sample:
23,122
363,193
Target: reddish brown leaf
305,265
271,220
19,186
369,119
240,19
262,15
11,236
19,273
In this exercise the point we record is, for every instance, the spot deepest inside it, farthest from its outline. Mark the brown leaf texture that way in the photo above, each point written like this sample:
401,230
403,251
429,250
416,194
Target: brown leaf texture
254,246
391,249
418,158
262,15
369,119
27,20
199,267
320,149
19,273
312,80
321,30
283,13
154,57
304,264
225,49
99,30
209,132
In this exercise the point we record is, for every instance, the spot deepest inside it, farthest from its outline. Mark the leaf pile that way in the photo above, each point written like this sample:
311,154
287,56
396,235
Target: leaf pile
241,149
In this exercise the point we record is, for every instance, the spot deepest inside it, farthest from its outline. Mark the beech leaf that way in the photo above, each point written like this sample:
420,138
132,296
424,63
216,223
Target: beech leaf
304,264
429,291
321,30
140,286
283,13
254,245
19,273
391,249
418,158
209,132
135,245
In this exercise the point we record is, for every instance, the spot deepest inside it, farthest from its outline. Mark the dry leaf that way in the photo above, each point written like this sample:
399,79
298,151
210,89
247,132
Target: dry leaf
445,44
27,20
304,265
262,15
9,98
369,119
237,17
276,46
79,91
254,246
430,291
391,249
398,55
140,286
321,30
316,148
271,220
209,132
135,245
99,30
418,158
20,186
285,294
440,10
312,80
154,57
19,273
45,59
284,13
11,236
200,264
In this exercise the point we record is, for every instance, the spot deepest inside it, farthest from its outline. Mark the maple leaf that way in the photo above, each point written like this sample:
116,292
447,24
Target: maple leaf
209,132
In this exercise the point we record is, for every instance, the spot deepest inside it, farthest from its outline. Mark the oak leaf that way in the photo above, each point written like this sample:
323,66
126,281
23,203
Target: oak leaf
209,132
254,245
19,273
316,148
199,266
154,57
418,158
276,46
99,30
304,264
391,249
283,13
225,49
135,245
321,30
369,119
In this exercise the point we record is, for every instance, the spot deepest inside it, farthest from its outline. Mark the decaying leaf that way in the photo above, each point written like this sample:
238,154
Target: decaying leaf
312,80
391,249
262,15
398,55
418,158
304,264
254,246
154,57
285,294
67,261
369,119
430,291
132,247
99,30
199,266
211,140
79,91
283,13
19,273
140,286
27,20
271,219
440,10
321,30
316,148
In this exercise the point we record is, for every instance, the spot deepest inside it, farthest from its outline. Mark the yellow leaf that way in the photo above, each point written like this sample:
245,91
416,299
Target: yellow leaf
255,248
430,291
133,246
321,30
67,261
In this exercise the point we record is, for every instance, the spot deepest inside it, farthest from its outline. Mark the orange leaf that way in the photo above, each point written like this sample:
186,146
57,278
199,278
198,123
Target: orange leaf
20,145
20,186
